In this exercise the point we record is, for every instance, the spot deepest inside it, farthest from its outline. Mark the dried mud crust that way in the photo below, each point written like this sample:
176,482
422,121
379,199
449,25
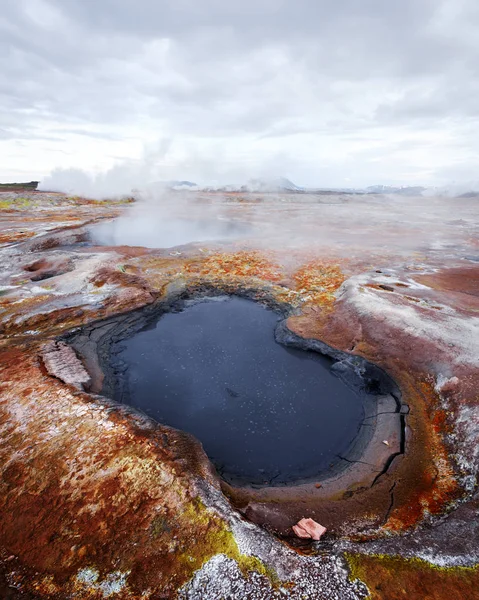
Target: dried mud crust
379,443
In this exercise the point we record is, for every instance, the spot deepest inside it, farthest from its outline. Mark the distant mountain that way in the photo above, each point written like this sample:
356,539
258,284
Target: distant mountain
186,184
278,185
469,195
469,189
403,190
173,185
283,185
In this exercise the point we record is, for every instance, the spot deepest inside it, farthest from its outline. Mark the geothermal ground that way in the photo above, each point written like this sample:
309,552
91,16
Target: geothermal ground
98,500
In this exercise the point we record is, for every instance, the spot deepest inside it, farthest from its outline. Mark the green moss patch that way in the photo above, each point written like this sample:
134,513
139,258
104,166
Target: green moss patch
397,578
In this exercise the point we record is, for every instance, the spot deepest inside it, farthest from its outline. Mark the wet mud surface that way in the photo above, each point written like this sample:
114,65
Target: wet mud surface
225,334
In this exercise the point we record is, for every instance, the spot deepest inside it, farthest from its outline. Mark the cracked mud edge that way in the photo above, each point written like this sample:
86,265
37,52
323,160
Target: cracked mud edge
367,380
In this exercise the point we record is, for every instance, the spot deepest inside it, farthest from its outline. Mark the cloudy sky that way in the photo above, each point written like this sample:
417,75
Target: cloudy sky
325,92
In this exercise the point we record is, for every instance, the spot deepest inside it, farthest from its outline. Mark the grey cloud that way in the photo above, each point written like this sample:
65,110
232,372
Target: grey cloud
267,69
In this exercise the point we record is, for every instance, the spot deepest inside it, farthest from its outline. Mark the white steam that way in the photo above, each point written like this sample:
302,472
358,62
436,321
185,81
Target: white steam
120,180
163,218
166,162
289,219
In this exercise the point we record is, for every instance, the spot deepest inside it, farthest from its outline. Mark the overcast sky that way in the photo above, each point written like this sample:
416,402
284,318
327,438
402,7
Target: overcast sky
327,93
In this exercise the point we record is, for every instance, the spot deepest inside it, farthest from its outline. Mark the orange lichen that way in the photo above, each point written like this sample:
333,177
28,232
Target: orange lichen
239,264
318,281
15,236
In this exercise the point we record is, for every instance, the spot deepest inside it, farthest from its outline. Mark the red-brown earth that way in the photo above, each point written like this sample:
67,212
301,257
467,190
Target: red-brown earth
97,501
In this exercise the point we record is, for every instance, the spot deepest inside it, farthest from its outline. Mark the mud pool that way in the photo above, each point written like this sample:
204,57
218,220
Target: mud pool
265,413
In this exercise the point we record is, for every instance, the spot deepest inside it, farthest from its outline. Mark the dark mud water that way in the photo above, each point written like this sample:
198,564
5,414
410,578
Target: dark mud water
263,412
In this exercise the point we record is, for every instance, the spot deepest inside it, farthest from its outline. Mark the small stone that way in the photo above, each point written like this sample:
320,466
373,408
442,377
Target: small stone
385,442
309,529
317,485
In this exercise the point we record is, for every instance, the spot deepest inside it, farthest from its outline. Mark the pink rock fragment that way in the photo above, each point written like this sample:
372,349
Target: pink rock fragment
309,529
